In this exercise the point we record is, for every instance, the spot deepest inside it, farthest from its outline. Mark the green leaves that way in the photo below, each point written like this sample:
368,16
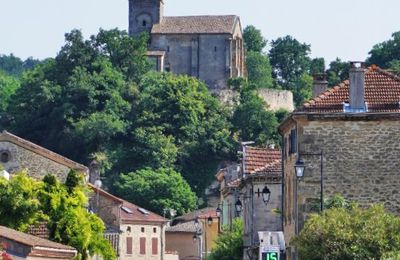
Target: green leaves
157,190
24,202
349,232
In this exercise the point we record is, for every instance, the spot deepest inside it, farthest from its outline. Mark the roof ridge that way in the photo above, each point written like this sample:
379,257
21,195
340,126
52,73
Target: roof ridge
386,72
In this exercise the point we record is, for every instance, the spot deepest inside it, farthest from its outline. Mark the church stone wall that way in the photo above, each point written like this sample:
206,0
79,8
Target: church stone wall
37,165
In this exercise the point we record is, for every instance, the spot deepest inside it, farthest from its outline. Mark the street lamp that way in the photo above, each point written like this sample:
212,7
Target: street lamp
238,207
299,168
218,211
266,195
209,220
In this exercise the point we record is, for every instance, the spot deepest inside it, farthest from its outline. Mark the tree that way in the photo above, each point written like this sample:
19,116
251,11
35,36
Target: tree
317,66
290,62
385,52
259,69
229,245
252,120
25,202
254,41
157,190
8,86
14,66
338,71
349,232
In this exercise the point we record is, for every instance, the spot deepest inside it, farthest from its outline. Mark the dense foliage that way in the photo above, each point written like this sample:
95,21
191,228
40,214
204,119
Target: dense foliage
14,66
346,231
25,201
253,39
8,86
386,54
157,190
229,245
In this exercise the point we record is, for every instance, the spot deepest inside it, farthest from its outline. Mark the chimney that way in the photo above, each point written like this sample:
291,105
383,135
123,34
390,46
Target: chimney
320,84
357,86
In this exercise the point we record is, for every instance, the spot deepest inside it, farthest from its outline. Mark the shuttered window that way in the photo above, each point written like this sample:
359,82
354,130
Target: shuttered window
129,245
154,246
142,245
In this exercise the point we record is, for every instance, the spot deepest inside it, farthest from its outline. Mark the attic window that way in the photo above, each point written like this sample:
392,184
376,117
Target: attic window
5,157
127,210
143,211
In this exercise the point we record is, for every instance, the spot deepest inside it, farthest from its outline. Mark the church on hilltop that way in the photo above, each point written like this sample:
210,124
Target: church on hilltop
208,47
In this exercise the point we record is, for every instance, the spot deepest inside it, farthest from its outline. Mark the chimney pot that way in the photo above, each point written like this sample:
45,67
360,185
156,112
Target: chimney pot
320,84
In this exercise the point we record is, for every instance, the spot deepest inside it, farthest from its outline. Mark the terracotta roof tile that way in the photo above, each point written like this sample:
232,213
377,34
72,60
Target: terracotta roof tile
200,213
382,94
138,214
262,160
195,24
30,240
188,227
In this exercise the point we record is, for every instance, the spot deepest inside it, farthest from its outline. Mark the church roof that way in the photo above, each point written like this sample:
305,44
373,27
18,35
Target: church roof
207,24
382,94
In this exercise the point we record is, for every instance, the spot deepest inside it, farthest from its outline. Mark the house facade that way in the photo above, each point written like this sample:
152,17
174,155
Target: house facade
208,47
134,232
348,135
244,183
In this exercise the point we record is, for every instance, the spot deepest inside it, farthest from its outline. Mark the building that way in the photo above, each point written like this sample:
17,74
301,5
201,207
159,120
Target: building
254,186
18,245
207,47
17,154
193,235
348,135
134,232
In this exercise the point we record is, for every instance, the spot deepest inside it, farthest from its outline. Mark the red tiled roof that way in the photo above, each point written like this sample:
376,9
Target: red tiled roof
30,240
261,160
382,94
139,214
200,213
207,24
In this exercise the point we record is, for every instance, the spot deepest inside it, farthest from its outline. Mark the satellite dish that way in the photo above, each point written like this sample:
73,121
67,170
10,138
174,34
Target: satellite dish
5,175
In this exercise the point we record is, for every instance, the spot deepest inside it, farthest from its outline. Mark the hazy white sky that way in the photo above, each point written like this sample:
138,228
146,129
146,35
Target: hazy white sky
335,28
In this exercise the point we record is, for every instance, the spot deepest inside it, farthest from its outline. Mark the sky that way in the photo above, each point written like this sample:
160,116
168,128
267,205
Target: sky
347,29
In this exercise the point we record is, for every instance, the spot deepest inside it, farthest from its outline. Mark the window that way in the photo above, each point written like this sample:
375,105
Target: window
215,48
154,230
144,23
154,246
5,156
293,141
142,229
142,245
129,245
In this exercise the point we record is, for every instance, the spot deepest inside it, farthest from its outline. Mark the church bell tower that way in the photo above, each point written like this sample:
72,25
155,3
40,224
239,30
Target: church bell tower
143,14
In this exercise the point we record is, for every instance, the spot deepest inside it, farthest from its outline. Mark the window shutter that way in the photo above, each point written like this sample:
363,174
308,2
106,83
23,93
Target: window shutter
129,245
142,245
154,246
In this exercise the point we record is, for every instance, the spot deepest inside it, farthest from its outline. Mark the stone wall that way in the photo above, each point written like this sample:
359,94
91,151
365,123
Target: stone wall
277,99
36,165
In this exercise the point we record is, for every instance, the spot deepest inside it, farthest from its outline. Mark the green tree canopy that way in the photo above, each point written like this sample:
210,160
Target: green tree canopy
25,202
382,54
259,69
349,232
8,86
337,72
157,190
14,66
254,41
229,244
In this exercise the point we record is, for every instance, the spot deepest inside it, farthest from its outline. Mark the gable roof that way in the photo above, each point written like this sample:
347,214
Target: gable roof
262,160
8,137
200,213
382,94
207,24
187,227
32,241
130,212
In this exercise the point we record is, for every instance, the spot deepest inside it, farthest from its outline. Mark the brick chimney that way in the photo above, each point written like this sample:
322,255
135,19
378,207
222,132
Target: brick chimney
320,84
357,86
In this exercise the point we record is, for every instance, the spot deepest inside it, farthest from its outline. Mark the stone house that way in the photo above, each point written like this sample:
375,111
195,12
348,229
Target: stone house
348,134
208,47
260,170
134,232
193,241
17,154
18,245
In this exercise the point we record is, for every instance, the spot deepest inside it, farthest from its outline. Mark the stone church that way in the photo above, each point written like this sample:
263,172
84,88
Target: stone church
208,47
